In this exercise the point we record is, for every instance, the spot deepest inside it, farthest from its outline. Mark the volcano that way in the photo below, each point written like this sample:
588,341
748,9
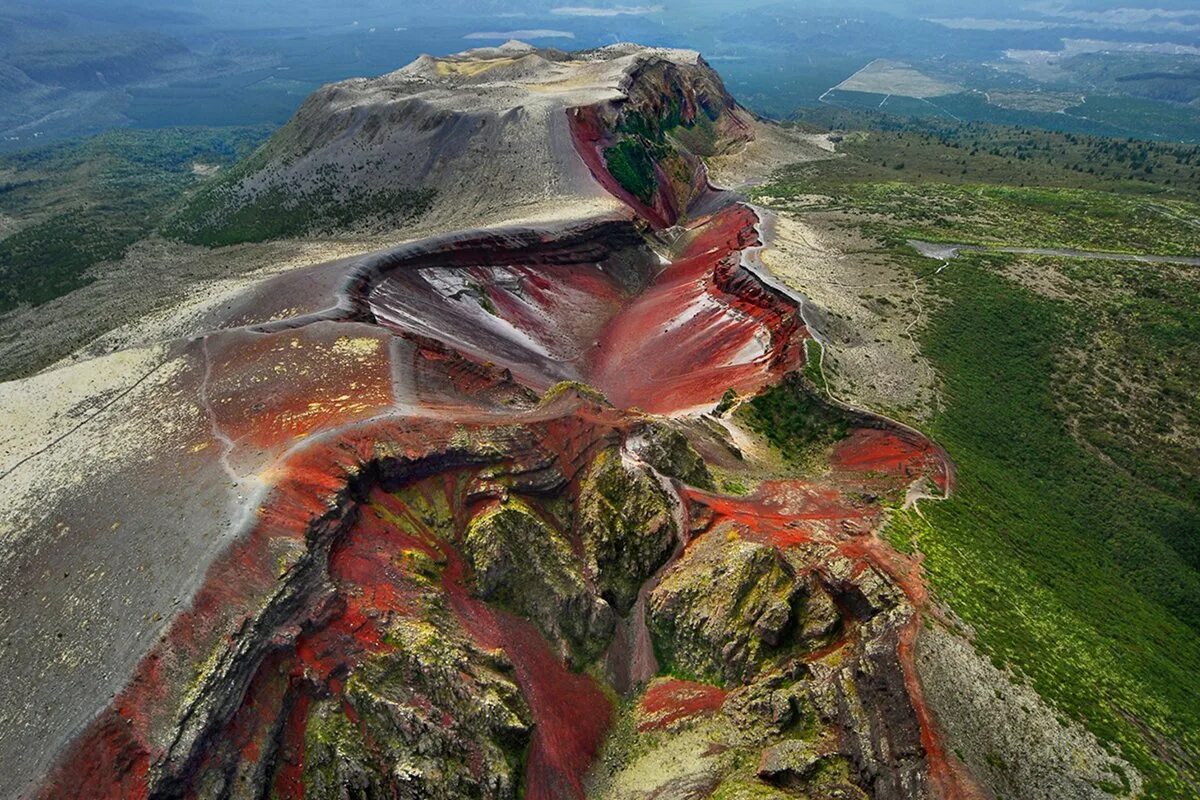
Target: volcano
442,521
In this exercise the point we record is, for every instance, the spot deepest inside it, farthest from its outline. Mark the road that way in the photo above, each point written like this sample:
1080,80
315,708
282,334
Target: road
948,250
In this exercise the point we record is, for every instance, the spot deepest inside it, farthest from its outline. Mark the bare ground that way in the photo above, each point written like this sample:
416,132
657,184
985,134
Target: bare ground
869,311
177,284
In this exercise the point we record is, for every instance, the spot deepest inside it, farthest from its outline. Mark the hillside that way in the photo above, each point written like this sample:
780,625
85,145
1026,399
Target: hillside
569,488
1060,386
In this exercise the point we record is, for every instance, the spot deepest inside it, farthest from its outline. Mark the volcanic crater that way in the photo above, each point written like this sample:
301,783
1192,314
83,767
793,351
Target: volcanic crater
475,545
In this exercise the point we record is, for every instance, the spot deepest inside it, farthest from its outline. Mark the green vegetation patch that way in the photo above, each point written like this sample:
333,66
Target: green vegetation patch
814,354
225,213
632,166
794,421
1130,386
701,137
1150,182
646,140
76,204
1001,215
1072,569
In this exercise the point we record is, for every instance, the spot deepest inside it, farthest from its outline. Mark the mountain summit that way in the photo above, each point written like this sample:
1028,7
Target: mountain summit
476,137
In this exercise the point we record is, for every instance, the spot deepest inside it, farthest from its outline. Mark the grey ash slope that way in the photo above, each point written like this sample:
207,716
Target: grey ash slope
471,136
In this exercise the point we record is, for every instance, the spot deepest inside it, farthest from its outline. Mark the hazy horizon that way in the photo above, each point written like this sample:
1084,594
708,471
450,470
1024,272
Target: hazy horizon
77,67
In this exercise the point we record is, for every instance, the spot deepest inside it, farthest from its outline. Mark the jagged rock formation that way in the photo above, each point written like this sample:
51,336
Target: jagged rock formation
645,147
412,526
524,564
627,526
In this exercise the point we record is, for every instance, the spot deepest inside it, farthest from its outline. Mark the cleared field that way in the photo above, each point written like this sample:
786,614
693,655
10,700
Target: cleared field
882,76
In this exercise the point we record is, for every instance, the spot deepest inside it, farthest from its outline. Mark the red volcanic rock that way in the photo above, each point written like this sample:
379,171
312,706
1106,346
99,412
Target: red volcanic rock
663,100
326,582
893,452
658,337
536,315
696,331
266,391
670,700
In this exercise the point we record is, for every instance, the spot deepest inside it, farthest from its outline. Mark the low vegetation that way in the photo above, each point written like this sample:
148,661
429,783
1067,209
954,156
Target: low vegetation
1078,572
631,164
70,206
647,141
798,424
991,185
880,146
990,214
220,215
1079,112
1069,407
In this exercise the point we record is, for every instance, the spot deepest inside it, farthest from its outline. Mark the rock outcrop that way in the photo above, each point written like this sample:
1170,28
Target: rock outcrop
725,608
523,563
627,526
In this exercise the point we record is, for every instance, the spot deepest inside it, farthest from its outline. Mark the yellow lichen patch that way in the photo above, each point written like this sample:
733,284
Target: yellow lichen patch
425,516
316,410
472,68
360,347
686,757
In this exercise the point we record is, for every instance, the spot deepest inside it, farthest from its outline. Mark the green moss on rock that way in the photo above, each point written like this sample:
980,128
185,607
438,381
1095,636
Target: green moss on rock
526,565
577,387
741,786
726,402
668,451
626,523
726,609
631,164
432,717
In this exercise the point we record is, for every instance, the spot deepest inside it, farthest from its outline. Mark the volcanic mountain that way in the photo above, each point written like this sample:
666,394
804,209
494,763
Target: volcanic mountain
444,520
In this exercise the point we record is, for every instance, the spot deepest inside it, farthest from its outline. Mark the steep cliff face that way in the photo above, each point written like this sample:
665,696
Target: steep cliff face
646,147
463,558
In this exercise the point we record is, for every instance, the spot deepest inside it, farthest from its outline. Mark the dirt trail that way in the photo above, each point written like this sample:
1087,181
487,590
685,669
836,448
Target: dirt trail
948,250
